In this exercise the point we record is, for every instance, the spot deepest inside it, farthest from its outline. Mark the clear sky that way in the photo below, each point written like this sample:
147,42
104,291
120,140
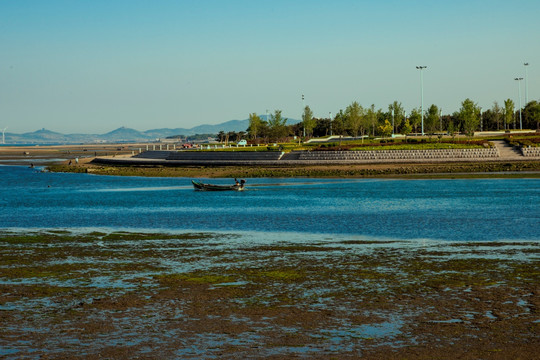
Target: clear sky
93,66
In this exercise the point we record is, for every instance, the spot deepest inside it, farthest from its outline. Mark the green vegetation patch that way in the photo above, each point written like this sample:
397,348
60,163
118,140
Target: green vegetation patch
43,238
523,140
59,271
526,272
421,146
285,292
402,144
286,275
16,292
194,277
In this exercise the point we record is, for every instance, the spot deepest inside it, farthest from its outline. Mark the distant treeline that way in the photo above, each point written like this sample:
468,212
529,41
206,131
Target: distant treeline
356,120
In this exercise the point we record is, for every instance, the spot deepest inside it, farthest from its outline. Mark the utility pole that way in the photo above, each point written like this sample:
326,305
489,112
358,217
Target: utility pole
393,126
303,120
519,94
440,120
422,92
481,120
526,85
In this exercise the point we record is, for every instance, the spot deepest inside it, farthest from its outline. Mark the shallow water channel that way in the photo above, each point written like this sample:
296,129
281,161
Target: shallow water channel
455,210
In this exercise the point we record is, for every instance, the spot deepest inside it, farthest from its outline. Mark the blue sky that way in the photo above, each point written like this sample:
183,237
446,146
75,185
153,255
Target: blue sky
92,66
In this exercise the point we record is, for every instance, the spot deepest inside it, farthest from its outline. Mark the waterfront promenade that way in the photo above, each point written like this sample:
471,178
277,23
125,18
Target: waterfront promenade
501,151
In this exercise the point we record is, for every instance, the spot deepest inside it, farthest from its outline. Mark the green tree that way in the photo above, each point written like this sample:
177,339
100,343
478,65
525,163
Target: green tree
406,129
415,118
531,114
308,121
355,116
338,124
255,125
221,136
496,115
451,129
386,129
431,121
371,117
508,113
322,127
232,136
398,113
277,125
469,114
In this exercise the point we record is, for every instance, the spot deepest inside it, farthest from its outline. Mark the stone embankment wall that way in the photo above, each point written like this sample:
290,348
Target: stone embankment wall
151,154
401,154
531,151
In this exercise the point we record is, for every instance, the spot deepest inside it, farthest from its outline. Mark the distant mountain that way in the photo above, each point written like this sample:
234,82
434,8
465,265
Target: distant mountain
45,135
161,133
232,125
124,134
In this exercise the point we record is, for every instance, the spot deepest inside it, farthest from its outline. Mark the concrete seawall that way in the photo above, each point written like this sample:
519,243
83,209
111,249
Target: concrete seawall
500,152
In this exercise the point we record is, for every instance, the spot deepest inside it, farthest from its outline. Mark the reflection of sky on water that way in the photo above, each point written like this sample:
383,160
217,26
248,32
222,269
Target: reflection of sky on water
480,209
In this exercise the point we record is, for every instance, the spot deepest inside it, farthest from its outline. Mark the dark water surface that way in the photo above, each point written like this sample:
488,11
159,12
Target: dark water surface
472,209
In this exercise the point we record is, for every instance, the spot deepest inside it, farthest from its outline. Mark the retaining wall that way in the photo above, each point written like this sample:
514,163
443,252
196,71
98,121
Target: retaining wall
401,154
531,151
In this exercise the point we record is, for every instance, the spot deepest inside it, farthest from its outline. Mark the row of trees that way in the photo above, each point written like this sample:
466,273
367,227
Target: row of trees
356,121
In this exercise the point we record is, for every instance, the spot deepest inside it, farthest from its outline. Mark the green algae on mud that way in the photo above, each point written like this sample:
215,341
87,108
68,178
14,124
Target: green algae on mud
171,294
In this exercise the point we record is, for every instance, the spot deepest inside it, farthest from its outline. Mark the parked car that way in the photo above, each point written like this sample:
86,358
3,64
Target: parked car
242,142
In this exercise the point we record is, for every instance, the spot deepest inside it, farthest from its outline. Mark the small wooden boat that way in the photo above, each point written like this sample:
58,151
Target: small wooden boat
211,187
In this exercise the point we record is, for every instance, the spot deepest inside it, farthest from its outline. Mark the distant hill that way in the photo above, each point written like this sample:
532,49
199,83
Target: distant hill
124,134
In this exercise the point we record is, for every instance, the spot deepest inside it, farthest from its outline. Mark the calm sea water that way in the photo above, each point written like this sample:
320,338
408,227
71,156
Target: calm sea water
478,209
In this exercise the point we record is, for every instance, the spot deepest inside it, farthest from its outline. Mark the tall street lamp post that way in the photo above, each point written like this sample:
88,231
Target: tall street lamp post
440,120
393,126
422,92
519,95
481,120
526,85
303,120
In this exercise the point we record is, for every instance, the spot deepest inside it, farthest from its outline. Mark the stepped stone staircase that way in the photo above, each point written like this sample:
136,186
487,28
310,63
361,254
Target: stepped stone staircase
507,151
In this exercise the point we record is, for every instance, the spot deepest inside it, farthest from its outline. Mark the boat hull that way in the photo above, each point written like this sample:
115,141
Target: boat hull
211,187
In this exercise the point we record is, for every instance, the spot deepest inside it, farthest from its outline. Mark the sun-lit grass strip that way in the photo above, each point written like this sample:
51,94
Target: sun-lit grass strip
421,146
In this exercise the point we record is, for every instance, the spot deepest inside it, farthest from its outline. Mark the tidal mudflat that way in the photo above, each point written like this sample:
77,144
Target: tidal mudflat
67,294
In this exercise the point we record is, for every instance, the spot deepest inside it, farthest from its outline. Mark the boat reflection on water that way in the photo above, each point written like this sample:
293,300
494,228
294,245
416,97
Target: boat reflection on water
238,186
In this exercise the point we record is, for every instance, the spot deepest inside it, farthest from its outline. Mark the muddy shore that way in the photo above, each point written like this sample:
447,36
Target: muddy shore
57,158
131,295
57,154
504,169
